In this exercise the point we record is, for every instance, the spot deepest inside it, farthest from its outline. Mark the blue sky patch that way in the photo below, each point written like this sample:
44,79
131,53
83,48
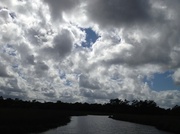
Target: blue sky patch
91,37
8,49
162,81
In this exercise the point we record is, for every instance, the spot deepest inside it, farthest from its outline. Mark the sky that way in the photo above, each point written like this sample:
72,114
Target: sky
90,50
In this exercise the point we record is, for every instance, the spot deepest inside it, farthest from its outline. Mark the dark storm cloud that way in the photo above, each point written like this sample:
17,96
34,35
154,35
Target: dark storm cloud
118,12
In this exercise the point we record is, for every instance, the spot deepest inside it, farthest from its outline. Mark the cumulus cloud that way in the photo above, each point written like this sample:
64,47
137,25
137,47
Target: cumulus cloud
3,71
42,56
57,7
119,12
89,83
62,43
176,76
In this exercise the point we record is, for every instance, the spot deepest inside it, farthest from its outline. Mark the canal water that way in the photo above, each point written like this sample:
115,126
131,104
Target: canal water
103,125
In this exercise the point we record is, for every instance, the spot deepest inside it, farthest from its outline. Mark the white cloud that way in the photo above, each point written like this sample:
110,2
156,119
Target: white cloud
3,71
176,76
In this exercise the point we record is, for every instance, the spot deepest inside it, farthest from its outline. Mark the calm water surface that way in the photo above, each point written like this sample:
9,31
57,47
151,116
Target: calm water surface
103,125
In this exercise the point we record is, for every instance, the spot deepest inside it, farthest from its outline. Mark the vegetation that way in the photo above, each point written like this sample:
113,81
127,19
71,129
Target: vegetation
22,121
164,122
18,116
147,112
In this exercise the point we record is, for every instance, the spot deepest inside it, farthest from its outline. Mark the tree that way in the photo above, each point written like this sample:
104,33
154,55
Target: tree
115,101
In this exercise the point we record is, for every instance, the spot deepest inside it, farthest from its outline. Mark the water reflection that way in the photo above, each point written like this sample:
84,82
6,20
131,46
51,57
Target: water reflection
103,125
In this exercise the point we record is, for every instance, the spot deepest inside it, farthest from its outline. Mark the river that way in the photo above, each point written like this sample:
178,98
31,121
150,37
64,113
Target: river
102,125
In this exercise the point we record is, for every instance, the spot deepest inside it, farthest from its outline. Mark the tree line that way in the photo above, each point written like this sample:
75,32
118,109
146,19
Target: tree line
113,106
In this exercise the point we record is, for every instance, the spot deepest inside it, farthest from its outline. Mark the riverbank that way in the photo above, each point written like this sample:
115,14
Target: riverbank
162,122
24,121
32,120
18,116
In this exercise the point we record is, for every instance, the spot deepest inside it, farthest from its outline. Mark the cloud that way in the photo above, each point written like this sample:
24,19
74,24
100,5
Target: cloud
40,68
63,43
89,83
5,16
119,12
176,76
57,7
12,89
167,98
41,53
3,71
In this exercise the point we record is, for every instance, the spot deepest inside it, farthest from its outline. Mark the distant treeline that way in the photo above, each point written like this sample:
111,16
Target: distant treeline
114,106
